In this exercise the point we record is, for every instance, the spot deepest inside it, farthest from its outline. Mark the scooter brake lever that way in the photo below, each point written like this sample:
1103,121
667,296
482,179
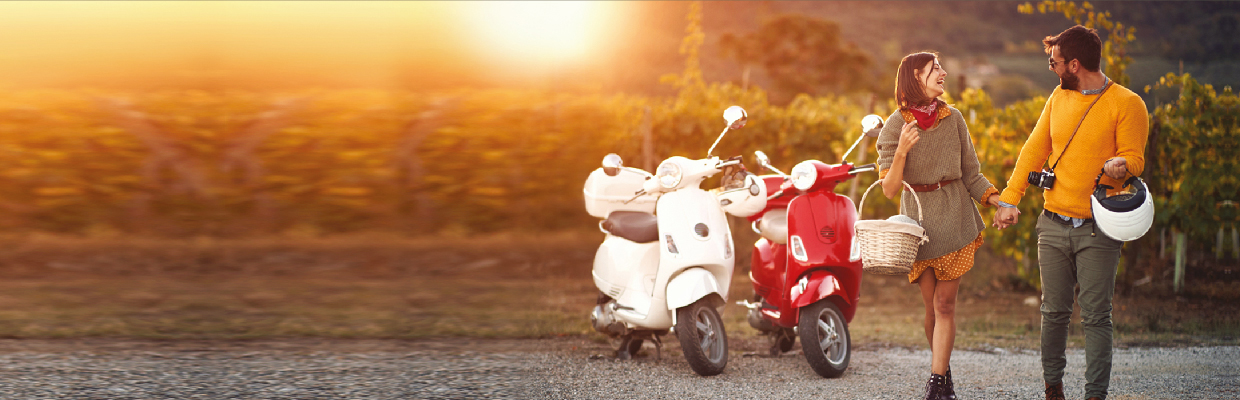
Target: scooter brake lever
863,168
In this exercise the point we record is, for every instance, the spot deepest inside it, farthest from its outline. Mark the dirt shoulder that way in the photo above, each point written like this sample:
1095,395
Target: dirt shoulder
487,288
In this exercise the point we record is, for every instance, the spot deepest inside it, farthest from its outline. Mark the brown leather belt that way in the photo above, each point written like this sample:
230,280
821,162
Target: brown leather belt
931,187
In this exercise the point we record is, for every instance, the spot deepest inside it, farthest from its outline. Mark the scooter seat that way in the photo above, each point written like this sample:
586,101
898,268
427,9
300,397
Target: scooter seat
637,226
774,225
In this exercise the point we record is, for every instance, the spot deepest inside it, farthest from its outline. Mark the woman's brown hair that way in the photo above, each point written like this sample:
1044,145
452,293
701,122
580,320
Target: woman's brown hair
908,89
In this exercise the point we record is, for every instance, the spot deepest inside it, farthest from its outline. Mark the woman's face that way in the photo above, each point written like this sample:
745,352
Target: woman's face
932,77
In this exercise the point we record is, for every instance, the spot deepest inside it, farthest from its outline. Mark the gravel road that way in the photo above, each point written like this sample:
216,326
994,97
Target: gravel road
562,368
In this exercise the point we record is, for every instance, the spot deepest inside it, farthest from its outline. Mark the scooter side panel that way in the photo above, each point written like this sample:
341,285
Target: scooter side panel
626,271
683,216
767,269
619,262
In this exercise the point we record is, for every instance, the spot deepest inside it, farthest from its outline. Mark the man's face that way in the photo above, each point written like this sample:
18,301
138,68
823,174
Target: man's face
1067,79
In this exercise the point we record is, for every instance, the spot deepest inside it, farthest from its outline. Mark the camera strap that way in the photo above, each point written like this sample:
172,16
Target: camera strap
1078,124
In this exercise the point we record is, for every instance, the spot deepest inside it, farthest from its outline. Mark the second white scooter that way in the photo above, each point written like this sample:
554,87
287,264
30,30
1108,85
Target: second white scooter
673,270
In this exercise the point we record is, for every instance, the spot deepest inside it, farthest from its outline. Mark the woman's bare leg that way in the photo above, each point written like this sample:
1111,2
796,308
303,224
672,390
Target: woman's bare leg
944,325
927,282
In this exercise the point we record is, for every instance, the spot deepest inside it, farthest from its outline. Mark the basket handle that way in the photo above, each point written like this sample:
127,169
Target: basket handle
910,190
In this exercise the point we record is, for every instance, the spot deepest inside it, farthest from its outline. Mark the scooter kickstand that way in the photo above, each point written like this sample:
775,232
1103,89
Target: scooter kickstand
658,346
623,352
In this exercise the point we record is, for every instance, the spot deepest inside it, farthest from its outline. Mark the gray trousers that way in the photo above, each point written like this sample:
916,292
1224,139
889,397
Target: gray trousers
1077,263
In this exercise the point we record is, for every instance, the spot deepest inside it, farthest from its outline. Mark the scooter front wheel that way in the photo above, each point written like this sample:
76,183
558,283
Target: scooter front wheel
702,338
825,338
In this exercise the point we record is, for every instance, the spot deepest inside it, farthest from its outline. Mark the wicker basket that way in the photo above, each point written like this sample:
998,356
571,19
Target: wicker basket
889,247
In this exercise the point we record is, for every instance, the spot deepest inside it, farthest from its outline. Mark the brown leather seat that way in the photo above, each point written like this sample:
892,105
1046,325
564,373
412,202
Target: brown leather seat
637,226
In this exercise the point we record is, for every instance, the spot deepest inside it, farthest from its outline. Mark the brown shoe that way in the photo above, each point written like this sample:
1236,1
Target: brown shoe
936,387
1054,392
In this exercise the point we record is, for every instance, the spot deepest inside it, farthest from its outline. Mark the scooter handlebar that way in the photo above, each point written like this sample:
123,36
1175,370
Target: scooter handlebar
862,168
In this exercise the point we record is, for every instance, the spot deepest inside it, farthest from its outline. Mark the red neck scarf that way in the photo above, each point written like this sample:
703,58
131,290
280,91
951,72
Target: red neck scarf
926,115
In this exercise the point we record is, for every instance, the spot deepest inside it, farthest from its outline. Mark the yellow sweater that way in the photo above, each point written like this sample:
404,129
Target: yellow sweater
1117,126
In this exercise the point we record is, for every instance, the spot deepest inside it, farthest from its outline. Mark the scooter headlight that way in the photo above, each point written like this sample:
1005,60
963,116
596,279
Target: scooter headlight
668,174
804,175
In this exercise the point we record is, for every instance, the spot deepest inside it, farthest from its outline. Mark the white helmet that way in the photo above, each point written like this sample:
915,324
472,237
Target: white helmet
1123,217
743,194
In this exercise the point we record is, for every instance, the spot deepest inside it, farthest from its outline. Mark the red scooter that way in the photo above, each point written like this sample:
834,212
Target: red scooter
806,271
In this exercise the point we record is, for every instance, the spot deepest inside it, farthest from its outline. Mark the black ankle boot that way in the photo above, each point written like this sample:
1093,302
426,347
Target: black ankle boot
936,387
949,392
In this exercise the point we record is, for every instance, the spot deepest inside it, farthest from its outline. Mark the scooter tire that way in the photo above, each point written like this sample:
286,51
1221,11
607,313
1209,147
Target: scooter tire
825,339
702,338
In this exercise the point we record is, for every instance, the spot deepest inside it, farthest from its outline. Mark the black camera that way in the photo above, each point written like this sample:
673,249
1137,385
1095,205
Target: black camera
1044,179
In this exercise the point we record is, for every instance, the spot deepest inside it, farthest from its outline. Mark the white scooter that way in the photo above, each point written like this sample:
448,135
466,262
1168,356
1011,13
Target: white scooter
673,270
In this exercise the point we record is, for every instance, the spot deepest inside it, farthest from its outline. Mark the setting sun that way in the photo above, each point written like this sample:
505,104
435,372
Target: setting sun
537,31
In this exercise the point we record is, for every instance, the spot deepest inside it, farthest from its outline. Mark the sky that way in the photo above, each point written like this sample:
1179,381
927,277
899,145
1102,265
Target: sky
294,44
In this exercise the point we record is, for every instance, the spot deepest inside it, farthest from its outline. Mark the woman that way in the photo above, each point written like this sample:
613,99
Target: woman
926,143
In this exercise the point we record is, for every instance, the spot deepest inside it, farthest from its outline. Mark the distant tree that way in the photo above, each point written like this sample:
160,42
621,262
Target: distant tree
1116,36
745,52
1213,37
802,54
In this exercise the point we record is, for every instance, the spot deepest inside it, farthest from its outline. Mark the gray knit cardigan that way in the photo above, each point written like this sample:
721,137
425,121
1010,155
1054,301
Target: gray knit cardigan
944,152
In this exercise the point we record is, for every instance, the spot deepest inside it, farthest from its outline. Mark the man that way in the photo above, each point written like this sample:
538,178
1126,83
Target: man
1071,250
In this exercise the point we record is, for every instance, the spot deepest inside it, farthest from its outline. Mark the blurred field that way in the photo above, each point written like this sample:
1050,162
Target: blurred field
499,286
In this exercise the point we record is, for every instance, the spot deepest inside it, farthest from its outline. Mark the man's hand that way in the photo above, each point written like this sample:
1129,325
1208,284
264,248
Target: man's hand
909,135
1006,216
1116,168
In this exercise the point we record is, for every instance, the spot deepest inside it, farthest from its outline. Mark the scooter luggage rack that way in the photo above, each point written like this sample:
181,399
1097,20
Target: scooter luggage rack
889,247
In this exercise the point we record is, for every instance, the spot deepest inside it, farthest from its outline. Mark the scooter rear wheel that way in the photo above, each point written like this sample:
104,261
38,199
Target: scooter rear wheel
825,338
702,338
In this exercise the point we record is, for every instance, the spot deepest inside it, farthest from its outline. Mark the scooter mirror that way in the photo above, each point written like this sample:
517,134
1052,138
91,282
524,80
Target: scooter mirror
612,164
871,125
736,117
762,158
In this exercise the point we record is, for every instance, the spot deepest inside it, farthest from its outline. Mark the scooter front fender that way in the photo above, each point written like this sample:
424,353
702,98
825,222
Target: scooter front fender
817,285
690,286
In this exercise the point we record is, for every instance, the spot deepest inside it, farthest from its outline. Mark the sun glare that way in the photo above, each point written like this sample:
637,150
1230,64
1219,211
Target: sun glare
538,31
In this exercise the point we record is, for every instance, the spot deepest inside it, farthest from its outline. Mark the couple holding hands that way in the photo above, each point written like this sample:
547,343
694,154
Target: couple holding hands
927,144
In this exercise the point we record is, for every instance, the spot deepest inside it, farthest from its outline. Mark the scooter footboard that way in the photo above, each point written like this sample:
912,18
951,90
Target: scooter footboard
690,286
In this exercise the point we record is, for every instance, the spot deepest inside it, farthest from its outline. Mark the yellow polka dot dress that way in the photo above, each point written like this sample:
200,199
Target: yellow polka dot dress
950,266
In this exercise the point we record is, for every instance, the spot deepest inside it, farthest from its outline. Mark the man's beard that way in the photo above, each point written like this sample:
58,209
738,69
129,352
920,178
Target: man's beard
1069,81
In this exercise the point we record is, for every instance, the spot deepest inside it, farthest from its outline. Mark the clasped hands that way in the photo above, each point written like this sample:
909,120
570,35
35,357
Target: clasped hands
1005,216
1116,168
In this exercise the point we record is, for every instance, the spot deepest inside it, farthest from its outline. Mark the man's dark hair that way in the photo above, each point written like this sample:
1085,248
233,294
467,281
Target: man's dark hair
1077,43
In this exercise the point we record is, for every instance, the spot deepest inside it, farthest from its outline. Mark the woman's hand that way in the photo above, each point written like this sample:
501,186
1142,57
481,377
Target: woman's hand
909,135
1006,216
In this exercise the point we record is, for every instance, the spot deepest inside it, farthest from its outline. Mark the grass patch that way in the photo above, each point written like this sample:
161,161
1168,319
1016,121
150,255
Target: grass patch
494,287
